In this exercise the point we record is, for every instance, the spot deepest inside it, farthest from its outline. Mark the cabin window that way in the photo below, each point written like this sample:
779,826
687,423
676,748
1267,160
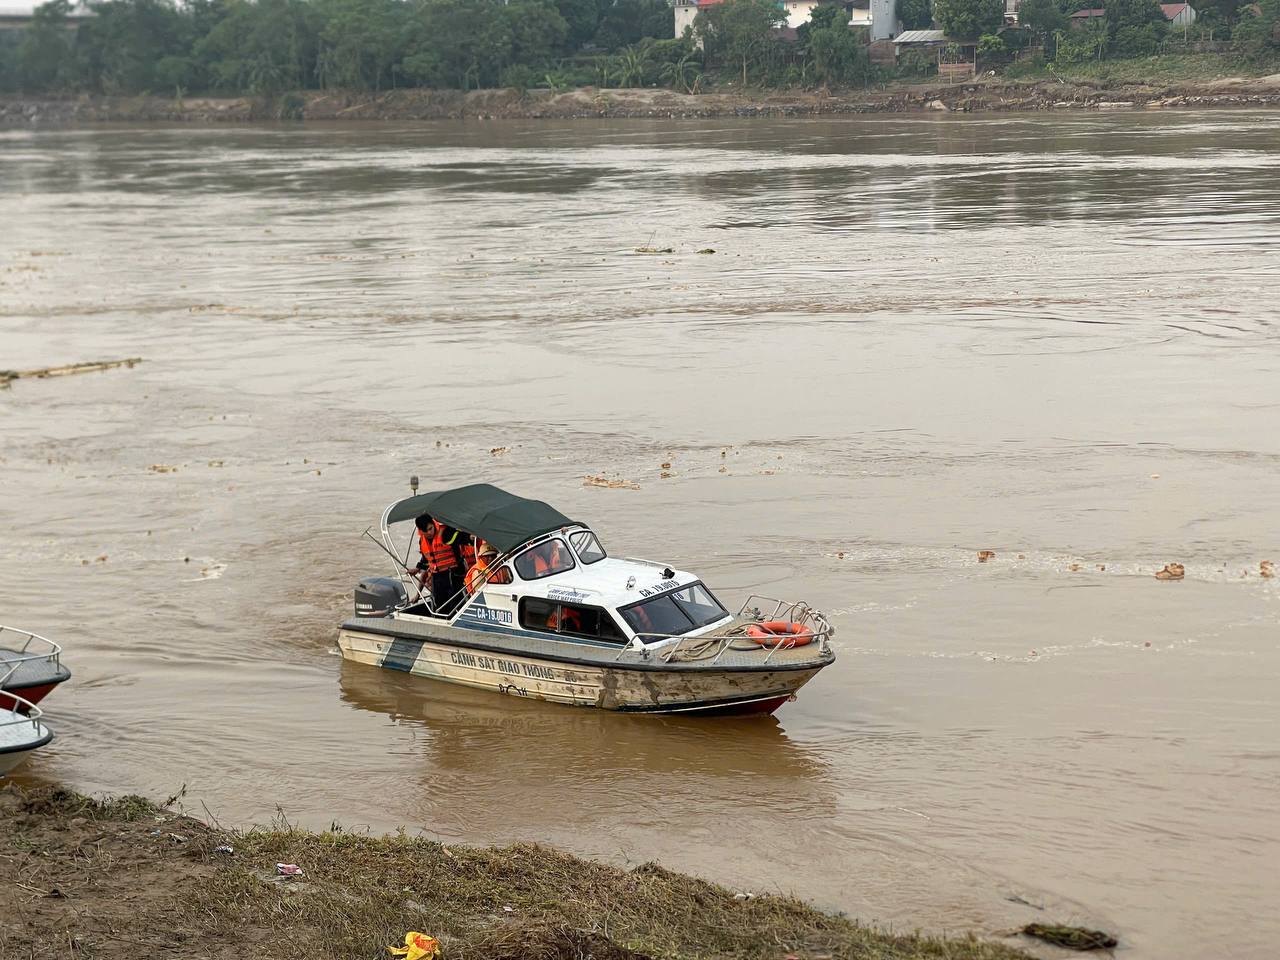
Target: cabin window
501,576
548,616
674,613
547,558
587,547
701,607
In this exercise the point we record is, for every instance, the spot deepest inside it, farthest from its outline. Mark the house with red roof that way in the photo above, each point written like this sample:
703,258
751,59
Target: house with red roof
1179,14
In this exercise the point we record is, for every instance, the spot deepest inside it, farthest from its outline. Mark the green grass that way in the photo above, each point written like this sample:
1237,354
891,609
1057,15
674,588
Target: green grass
363,893
1164,69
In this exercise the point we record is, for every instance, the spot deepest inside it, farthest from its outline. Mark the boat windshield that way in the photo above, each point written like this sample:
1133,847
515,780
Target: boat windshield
587,546
676,612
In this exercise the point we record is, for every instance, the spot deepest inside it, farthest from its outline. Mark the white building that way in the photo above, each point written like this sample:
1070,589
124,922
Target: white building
18,14
878,16
685,13
798,11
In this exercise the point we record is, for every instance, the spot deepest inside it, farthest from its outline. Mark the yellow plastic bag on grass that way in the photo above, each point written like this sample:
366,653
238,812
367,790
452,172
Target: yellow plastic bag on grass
417,946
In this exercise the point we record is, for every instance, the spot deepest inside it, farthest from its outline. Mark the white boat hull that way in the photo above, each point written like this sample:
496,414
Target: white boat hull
20,736
603,687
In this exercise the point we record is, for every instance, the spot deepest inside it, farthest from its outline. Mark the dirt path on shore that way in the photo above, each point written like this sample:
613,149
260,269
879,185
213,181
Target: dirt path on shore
585,102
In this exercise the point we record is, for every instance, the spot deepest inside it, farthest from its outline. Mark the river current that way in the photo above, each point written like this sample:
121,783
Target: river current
1052,337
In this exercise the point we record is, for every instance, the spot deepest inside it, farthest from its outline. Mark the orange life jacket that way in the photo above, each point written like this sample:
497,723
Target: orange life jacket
569,619
440,553
475,576
542,560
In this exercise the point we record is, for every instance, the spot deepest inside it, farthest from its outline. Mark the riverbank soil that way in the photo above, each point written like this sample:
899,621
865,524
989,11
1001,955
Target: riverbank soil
986,95
123,878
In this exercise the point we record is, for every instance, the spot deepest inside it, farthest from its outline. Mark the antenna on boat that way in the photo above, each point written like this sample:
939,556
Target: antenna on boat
383,547
413,483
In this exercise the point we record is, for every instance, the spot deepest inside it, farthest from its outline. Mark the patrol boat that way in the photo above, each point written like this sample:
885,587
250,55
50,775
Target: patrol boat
556,618
30,667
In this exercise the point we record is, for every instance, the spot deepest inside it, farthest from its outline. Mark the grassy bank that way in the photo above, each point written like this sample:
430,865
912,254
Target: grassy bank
1143,83
125,879
1168,69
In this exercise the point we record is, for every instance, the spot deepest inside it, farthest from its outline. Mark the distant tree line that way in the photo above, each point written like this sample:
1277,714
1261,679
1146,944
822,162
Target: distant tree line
268,46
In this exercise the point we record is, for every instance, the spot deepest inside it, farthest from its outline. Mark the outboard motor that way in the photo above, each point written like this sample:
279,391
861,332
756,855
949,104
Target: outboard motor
379,596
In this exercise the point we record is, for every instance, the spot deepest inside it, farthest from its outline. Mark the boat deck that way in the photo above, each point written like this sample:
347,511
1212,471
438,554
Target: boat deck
29,672
17,731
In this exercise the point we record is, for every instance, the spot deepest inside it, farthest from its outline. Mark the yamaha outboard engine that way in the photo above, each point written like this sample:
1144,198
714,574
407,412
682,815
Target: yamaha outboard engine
379,596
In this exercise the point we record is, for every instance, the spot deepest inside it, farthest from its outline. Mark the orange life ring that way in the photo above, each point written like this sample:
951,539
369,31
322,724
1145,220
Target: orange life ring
779,633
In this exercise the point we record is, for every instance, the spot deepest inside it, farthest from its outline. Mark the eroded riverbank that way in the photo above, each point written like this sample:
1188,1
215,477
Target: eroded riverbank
993,95
113,878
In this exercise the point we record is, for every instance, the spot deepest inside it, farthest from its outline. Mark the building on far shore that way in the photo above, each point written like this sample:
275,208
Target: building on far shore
1178,14
880,17
18,14
955,58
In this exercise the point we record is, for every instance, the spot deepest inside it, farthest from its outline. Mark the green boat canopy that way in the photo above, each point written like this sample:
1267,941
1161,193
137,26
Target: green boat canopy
500,518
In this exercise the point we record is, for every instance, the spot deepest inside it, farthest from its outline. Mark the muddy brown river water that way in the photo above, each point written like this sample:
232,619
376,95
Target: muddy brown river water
1052,337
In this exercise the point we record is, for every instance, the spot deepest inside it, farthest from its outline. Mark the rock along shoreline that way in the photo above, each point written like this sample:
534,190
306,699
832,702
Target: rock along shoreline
988,95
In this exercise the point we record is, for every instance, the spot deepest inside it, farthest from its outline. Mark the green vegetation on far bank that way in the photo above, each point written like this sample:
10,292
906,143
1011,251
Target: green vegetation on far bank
1157,70
271,48
134,880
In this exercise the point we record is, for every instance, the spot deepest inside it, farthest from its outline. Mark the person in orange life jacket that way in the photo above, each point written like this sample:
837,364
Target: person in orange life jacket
565,618
476,575
547,558
442,562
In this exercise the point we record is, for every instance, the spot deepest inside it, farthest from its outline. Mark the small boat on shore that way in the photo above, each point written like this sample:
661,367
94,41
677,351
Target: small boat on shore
556,618
30,667
21,733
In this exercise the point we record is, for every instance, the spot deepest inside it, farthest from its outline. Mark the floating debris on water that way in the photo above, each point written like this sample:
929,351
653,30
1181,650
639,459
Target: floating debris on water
1073,938
1266,569
985,555
706,250
498,451
162,468
599,480
1171,571
40,373
655,250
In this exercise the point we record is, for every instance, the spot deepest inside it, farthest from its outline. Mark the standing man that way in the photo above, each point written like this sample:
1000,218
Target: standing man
442,561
